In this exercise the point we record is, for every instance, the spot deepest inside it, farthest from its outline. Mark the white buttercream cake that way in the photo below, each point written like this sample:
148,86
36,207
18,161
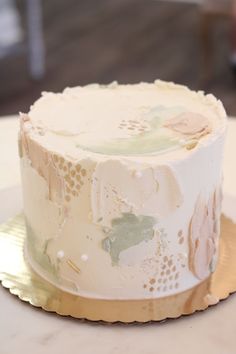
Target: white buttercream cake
122,188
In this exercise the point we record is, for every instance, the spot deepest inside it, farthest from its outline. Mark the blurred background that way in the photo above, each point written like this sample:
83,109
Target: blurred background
50,44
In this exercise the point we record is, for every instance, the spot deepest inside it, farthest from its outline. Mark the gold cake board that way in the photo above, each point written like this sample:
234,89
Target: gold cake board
18,277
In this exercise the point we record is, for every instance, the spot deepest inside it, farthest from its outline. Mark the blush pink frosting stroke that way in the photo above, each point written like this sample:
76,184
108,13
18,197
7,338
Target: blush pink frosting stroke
204,233
190,124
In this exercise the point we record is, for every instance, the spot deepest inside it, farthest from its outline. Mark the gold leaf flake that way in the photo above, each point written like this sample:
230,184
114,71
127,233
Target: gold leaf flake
73,266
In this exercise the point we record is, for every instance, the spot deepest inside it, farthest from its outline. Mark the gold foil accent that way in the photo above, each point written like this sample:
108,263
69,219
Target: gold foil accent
17,276
59,173
73,266
191,145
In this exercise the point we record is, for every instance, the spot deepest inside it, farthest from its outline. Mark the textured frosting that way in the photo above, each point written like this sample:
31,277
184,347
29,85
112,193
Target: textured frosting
122,188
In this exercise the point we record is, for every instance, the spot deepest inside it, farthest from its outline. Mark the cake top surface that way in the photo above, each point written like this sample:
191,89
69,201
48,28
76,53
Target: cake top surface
145,119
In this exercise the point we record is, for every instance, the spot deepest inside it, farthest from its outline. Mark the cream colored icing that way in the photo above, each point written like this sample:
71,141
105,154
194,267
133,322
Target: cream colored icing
155,192
111,179
130,119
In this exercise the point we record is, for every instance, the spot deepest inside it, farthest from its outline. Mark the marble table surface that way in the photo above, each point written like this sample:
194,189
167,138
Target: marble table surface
24,329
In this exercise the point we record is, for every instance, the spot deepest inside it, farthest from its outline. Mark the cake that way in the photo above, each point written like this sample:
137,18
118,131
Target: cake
122,188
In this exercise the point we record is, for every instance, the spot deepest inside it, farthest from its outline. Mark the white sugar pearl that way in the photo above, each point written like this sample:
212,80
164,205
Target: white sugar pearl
138,174
84,257
60,254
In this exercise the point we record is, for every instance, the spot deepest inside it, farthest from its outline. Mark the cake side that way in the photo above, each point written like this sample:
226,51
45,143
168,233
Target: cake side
125,226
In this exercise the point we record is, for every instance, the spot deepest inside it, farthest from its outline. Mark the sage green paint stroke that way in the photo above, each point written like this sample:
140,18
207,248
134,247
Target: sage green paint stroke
38,256
127,231
156,140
